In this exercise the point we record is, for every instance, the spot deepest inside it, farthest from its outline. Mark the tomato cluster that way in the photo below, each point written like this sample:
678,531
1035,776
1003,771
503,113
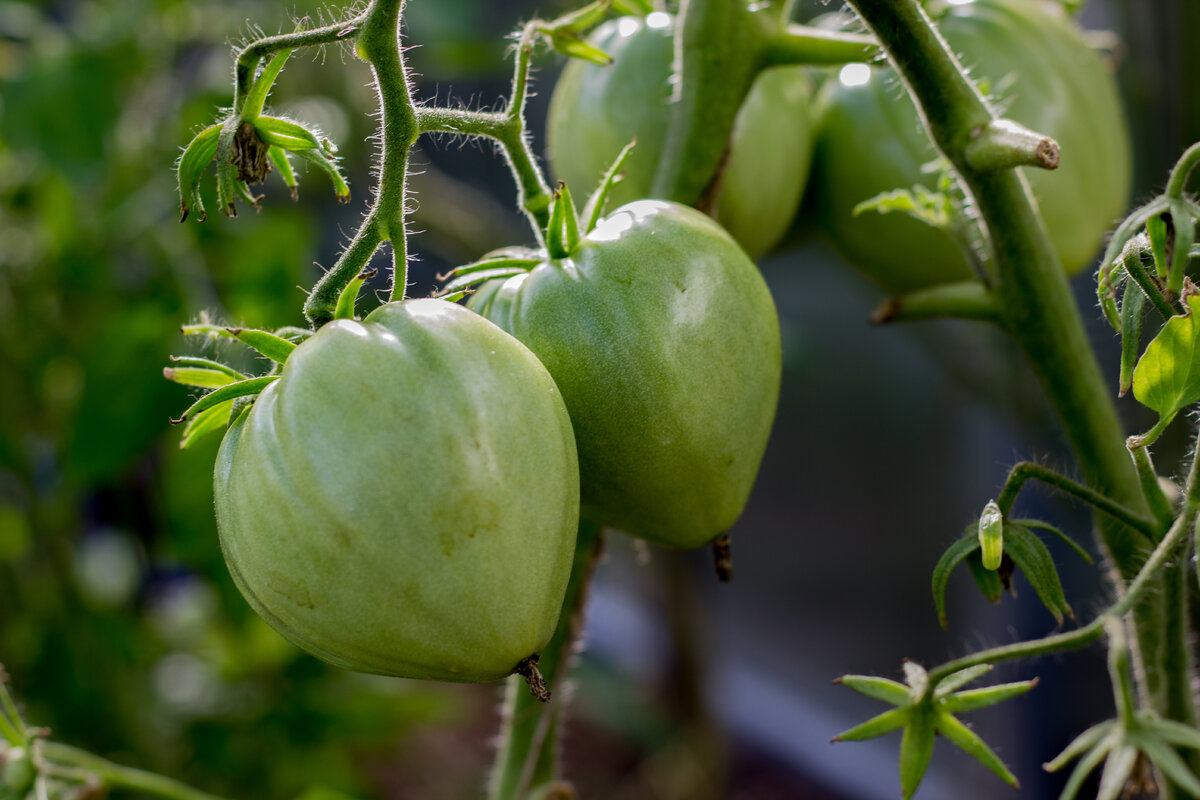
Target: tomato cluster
404,498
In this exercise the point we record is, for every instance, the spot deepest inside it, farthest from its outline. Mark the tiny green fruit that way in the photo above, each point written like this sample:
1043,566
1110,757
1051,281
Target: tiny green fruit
404,499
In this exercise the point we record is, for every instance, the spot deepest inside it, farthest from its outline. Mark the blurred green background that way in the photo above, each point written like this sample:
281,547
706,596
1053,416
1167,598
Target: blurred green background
118,621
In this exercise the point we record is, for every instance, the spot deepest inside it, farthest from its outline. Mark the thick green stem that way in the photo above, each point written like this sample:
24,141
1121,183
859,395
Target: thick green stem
797,44
528,754
118,777
379,44
1029,285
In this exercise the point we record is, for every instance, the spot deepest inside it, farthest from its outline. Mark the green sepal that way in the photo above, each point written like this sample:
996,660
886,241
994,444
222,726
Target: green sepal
891,720
1030,554
1167,377
1169,730
208,363
1085,767
283,165
957,680
293,334
562,234
1067,540
970,743
199,377
341,189
973,699
884,689
199,154
471,279
633,8
1156,229
256,98
950,559
212,419
593,210
1131,334
575,46
1080,745
226,171
1181,233
916,749
1167,760
287,134
349,295
250,386
989,582
1117,770
266,344
991,535
526,262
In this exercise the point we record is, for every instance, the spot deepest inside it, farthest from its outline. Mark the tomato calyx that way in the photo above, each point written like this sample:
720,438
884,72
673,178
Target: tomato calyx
229,390
563,233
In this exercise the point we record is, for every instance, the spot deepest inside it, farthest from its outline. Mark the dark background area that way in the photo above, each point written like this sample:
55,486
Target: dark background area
123,631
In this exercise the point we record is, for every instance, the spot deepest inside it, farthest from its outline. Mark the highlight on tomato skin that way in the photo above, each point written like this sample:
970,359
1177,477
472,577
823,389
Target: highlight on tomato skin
404,499
663,337
1037,69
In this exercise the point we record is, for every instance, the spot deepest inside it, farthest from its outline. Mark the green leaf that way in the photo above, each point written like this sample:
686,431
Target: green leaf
190,169
991,536
884,689
633,8
957,680
1181,233
891,720
1030,554
250,386
198,377
916,749
1046,526
950,559
207,421
970,743
1167,378
1131,333
987,696
594,209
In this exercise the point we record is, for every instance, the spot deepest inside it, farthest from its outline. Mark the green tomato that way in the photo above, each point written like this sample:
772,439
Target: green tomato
19,771
595,111
404,499
663,338
1042,74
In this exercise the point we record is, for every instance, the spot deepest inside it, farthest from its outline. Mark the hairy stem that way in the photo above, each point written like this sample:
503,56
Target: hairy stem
119,777
1029,285
379,44
250,56
528,754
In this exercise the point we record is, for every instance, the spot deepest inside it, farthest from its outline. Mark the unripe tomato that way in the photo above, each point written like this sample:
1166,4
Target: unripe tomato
1042,74
404,499
663,338
595,111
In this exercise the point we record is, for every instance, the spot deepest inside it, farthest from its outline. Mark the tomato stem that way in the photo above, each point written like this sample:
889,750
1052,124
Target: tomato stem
118,776
965,300
378,31
799,44
1004,144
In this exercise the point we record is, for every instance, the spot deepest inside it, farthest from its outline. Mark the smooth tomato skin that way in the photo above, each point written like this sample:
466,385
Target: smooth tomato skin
664,340
404,499
1046,77
595,111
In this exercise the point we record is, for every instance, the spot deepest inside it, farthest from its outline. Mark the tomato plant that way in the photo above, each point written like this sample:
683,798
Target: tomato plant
1038,68
403,499
663,338
597,110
